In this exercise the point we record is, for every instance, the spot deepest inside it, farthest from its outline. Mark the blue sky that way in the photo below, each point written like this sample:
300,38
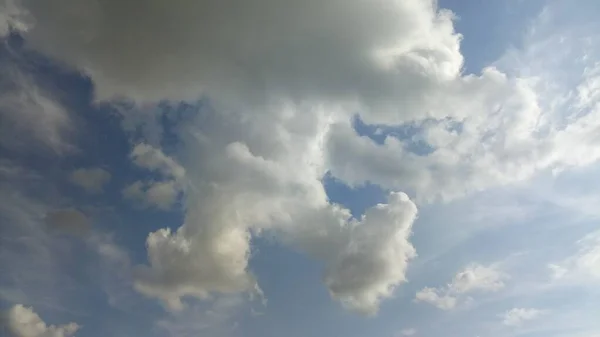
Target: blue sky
385,168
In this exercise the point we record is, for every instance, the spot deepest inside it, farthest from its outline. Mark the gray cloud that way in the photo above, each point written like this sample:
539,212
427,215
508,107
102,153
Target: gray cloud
90,179
70,221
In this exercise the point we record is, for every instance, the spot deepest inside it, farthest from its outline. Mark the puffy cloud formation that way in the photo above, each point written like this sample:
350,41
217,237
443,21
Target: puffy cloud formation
245,182
517,316
22,321
474,278
283,81
161,193
92,179
70,221
153,159
345,51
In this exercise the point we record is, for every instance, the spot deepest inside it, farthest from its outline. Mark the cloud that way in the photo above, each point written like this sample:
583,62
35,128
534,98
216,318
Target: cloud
518,316
12,18
474,278
92,179
32,120
437,298
153,159
22,321
158,193
408,332
283,81
70,221
244,182
274,49
477,278
584,265
215,318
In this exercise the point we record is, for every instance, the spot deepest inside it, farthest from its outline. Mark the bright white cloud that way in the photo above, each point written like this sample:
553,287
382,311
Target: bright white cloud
474,278
244,182
91,179
12,18
518,316
160,194
477,278
22,321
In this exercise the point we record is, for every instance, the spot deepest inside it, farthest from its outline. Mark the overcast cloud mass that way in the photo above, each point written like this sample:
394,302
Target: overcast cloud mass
299,168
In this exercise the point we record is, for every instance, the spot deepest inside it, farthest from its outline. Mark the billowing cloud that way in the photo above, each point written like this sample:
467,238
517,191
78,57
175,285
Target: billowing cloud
153,159
91,179
22,321
283,81
268,49
474,278
517,316
157,193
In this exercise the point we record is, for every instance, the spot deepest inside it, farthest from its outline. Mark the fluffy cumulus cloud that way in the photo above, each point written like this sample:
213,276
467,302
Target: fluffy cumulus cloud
91,179
307,51
161,193
22,321
243,182
281,83
474,278
518,316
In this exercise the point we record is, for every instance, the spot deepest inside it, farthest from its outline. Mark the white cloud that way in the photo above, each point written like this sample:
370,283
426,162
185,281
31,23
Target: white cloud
22,321
477,278
244,182
517,316
215,318
158,193
584,265
408,332
437,298
283,80
91,179
474,278
274,49
153,159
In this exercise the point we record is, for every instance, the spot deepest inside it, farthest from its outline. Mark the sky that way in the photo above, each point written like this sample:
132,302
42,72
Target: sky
352,168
